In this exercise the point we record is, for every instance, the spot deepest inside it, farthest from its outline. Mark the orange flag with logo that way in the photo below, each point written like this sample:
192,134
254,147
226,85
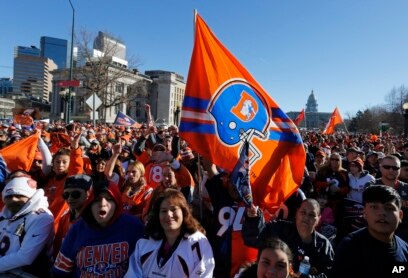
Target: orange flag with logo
224,107
334,120
300,117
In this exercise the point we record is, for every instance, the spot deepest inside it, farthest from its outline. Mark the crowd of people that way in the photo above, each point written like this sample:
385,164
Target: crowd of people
116,201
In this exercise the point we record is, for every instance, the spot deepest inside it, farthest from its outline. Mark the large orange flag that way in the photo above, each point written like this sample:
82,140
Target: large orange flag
18,156
334,120
224,107
300,117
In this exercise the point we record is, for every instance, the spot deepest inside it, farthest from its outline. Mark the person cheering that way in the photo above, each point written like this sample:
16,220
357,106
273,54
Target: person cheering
105,231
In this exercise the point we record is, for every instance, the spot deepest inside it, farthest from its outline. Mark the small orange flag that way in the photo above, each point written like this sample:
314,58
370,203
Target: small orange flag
334,120
300,117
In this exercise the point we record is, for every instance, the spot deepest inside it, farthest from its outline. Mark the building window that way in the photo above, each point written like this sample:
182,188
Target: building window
119,88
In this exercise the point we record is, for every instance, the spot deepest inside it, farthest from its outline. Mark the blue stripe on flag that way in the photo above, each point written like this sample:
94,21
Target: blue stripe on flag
195,103
197,127
278,113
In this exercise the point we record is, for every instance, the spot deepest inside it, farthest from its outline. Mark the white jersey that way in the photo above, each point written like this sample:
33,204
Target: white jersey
26,234
193,257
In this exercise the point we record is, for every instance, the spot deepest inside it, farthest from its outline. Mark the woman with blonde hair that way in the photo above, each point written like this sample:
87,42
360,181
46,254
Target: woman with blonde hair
176,245
135,192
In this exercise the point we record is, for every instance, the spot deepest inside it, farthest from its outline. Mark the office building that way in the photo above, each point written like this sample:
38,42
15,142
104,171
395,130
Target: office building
108,46
32,78
6,86
6,108
27,50
166,96
55,49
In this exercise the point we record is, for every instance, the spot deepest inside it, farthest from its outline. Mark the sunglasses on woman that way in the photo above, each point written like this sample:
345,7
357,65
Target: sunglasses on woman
74,195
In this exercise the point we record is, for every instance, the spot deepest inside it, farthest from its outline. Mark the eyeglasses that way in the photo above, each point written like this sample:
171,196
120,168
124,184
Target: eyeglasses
74,195
335,159
39,161
308,214
388,167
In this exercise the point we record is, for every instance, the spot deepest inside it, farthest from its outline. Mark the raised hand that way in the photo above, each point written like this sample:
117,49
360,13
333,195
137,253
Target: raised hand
117,148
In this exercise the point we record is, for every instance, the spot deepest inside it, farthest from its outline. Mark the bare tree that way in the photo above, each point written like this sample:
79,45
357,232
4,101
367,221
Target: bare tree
395,98
103,73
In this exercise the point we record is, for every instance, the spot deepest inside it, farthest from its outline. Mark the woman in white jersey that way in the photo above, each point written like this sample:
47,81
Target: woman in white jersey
176,247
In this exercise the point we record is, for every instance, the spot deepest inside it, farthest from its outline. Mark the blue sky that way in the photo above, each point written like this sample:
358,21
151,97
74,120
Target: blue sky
350,52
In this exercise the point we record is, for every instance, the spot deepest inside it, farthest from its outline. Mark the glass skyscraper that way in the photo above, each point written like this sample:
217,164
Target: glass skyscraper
26,50
55,49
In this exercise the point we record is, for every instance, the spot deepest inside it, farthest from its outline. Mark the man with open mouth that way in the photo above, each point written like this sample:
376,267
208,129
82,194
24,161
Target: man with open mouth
101,242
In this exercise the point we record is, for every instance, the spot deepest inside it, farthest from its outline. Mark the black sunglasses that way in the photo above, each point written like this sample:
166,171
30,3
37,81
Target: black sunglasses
74,194
388,167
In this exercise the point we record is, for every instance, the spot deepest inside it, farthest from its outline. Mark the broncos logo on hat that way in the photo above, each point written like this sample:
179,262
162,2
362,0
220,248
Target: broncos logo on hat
240,113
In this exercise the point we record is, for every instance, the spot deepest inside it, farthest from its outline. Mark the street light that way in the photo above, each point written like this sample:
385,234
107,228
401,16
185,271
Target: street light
65,96
405,107
70,65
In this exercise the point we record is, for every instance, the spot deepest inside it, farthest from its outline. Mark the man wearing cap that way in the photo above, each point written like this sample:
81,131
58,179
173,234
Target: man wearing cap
371,164
125,157
26,229
390,167
94,152
76,192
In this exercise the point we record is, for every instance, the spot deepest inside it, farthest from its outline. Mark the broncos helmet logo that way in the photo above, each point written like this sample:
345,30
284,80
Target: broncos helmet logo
247,107
239,112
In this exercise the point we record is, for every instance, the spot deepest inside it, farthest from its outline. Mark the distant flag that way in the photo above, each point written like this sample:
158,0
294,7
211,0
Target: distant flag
300,117
18,156
224,107
125,120
334,120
